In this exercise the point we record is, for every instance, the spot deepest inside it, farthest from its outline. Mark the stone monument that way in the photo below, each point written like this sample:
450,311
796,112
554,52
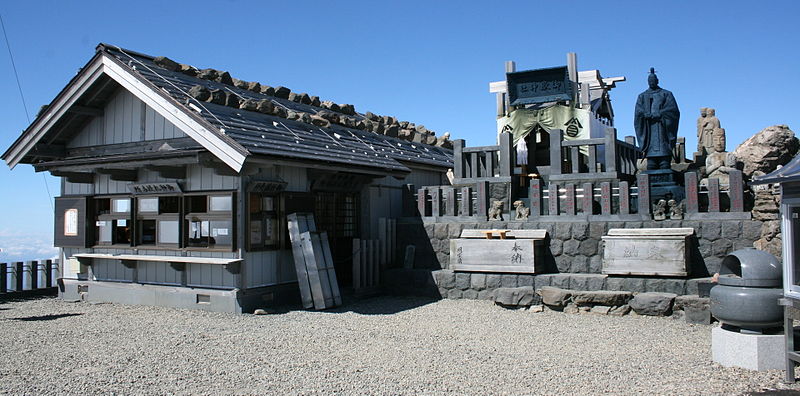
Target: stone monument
719,163
656,118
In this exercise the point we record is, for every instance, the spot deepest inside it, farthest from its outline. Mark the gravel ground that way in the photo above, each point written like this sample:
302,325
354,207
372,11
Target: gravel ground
383,345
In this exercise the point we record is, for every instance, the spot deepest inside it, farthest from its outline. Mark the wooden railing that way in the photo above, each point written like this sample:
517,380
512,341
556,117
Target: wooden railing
31,275
473,164
596,158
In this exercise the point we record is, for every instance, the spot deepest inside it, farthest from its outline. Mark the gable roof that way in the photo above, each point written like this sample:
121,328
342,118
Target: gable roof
230,134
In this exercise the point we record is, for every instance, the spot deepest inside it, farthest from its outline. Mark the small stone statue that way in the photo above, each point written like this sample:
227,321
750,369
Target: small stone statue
675,210
522,212
719,163
656,119
496,211
710,125
444,141
701,122
660,210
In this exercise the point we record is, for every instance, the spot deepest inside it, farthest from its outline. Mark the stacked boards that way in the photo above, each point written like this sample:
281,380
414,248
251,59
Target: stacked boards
313,262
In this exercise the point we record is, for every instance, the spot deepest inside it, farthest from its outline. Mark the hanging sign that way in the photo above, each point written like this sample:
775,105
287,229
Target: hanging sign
154,188
539,86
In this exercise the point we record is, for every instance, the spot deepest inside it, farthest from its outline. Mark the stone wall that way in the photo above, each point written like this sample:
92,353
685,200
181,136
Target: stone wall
573,256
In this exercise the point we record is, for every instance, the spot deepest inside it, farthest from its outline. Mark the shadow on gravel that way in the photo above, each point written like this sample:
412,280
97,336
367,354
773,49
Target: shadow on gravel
45,317
383,305
782,392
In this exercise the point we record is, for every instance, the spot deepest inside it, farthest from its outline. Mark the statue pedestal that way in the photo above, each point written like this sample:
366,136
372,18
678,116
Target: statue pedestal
664,184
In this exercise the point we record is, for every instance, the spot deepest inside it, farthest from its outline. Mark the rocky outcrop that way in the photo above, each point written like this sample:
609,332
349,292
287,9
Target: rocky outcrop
764,151
771,238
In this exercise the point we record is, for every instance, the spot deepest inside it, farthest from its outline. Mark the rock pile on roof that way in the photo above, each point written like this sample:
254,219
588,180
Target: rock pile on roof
332,113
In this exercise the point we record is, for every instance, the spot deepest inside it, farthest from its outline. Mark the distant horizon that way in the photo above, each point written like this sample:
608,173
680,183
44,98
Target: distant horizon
428,63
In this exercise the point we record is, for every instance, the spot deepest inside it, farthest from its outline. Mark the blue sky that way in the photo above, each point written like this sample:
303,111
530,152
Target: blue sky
423,61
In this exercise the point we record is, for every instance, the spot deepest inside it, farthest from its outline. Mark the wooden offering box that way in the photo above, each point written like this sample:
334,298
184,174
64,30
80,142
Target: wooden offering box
647,251
517,251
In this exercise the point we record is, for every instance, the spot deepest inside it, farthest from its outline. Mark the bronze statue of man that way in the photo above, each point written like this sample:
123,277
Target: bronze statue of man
656,122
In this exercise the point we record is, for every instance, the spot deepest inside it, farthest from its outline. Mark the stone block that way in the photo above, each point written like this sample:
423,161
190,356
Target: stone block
470,294
560,280
697,315
540,281
587,281
485,294
615,284
692,301
571,309
721,247
580,231
600,310
525,280
601,297
653,304
557,246
751,230
440,231
516,297
711,230
633,224
597,230
750,351
555,297
660,285
445,279
579,264
454,294
508,280
595,264
704,247
463,280
635,285
620,310
454,230
562,231
478,281
564,263
588,247
692,287
493,281
731,229
571,247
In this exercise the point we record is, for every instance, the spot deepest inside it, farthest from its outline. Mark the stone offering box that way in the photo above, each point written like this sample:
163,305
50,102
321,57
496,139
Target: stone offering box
647,251
516,251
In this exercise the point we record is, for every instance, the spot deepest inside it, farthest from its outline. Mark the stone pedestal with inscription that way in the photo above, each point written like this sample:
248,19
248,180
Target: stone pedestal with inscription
664,185
520,251
647,251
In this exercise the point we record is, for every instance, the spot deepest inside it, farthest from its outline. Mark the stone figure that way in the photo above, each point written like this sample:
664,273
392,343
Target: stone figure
496,211
522,212
444,141
701,122
719,163
660,210
675,210
656,119
710,125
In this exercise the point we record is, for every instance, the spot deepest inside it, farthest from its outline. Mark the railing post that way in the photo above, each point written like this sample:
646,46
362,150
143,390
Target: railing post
465,206
482,188
556,137
624,198
48,273
16,276
552,199
3,278
33,272
605,198
409,200
458,159
611,149
536,197
55,272
449,201
736,191
587,203
436,200
506,156
713,195
569,199
422,202
41,274
643,198
692,199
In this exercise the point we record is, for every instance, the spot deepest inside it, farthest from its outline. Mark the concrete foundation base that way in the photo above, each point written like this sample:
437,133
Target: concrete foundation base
234,301
750,351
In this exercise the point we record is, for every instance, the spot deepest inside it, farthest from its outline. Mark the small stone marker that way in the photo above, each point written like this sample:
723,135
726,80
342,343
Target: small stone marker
647,251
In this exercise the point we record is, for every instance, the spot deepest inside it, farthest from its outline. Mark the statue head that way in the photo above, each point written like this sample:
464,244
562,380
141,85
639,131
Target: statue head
719,140
703,111
652,79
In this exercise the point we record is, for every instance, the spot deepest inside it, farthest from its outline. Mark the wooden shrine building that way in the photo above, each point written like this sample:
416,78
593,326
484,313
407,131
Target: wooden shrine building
176,182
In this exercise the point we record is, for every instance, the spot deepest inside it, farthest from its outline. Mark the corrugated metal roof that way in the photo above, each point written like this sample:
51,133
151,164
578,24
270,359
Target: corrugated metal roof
273,136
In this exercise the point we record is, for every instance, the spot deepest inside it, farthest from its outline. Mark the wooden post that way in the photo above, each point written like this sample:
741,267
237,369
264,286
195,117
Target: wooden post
422,202
510,68
556,137
574,159
41,273
587,203
552,199
572,72
436,201
692,199
33,274
449,201
605,198
624,198
611,149
474,165
465,206
409,200
482,188
643,198
365,266
489,164
392,242
383,240
54,273
17,276
713,195
736,191
506,157
356,263
569,199
3,278
458,159
536,197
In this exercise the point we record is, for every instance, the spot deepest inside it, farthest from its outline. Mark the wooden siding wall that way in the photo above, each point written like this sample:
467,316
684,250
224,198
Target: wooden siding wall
384,197
125,119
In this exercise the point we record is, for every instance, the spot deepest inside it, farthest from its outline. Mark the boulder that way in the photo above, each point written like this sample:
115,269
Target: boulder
225,78
279,111
267,90
696,309
391,130
217,97
166,63
764,151
516,297
330,106
421,128
555,297
601,297
254,86
348,109
249,105
315,101
188,70
600,309
208,74
264,106
319,121
653,304
620,310
231,99
282,92
766,205
200,93
240,83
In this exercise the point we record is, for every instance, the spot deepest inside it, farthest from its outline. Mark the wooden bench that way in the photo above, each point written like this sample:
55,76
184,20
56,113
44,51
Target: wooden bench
517,251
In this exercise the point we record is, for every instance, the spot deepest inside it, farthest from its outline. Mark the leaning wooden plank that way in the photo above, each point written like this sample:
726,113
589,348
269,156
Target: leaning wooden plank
356,263
299,262
313,274
326,252
322,270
